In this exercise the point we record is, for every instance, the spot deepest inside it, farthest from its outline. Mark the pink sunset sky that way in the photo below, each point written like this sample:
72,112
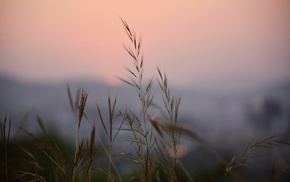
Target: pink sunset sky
194,42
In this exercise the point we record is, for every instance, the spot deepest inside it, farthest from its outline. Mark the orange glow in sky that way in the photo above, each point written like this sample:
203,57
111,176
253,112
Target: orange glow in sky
213,42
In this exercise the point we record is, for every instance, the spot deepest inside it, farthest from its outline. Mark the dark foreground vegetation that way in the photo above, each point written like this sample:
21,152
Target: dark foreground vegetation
153,135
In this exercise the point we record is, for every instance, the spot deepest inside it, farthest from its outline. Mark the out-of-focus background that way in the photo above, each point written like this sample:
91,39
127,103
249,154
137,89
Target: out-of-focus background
228,60
213,45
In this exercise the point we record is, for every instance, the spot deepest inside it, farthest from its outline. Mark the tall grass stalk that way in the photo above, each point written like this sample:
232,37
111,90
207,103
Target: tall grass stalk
5,136
142,133
79,112
172,107
112,116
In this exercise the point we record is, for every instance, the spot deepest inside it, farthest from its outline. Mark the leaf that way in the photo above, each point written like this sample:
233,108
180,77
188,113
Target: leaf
155,125
102,120
70,99
182,130
54,162
131,72
125,81
40,123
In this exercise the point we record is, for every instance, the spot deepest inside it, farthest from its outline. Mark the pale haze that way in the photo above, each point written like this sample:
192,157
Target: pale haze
207,44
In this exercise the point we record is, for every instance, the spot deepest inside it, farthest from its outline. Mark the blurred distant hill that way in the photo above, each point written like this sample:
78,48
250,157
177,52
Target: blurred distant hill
228,121
229,116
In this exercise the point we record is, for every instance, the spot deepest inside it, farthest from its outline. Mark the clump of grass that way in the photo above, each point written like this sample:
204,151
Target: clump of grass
142,126
45,158
248,154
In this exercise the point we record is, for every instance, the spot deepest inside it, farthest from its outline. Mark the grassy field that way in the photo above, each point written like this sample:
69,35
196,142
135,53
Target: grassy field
155,140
